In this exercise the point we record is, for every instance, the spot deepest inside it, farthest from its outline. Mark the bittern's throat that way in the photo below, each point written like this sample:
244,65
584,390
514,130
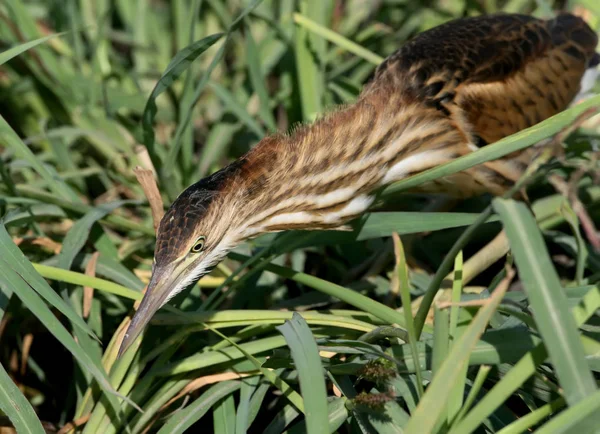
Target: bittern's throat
427,104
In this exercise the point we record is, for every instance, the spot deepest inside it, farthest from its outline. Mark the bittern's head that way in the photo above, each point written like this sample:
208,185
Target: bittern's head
198,230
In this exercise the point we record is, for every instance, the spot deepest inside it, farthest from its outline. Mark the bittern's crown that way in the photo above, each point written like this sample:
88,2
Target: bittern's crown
179,224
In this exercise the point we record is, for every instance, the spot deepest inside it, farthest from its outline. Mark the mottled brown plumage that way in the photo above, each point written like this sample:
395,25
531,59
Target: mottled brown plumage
446,92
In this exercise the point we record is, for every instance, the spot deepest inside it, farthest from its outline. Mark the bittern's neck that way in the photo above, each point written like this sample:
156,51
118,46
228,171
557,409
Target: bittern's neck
323,175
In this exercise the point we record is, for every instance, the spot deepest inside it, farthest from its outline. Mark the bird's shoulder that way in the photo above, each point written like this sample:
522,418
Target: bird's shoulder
482,49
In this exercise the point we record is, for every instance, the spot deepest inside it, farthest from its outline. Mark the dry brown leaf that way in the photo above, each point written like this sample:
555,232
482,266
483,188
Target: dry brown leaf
146,179
88,291
48,243
484,258
27,341
583,12
569,191
13,364
337,392
4,322
45,242
203,381
395,281
327,354
70,426
501,288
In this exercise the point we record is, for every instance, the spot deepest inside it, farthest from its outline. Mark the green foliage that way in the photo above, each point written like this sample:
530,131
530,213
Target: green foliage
320,332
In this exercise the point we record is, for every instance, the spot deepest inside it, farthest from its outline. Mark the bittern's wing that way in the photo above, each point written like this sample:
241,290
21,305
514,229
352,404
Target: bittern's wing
501,73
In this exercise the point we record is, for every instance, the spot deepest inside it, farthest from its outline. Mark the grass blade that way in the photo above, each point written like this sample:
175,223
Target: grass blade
6,55
499,149
401,274
13,259
224,416
432,405
258,81
377,225
456,398
182,420
548,301
308,364
16,407
270,375
526,422
176,67
237,109
580,418
310,54
337,414
338,39
441,339
482,374
522,370
353,298
249,389
12,141
28,296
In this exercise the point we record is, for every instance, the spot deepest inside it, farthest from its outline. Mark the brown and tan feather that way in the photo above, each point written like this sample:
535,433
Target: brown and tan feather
458,86
466,83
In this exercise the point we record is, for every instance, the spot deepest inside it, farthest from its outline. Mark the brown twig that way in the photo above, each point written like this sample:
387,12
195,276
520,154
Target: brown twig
500,290
146,179
74,424
569,191
398,253
88,291
204,381
27,341
484,258
579,120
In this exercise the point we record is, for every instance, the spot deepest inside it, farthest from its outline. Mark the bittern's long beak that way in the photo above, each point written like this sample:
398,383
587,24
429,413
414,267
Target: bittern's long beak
161,284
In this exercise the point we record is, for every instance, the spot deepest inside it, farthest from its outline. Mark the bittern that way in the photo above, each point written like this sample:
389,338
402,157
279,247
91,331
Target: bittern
444,94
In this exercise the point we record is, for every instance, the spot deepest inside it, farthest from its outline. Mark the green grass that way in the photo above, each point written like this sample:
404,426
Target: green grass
347,332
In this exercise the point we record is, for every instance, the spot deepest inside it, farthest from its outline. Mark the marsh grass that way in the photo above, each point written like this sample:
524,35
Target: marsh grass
430,331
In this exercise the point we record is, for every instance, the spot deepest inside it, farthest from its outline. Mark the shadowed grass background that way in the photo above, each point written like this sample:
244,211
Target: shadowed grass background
91,90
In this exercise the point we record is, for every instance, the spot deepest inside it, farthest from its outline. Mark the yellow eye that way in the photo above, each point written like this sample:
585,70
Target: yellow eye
198,245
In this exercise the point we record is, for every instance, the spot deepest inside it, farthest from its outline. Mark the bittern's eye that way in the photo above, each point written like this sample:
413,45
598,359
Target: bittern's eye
198,245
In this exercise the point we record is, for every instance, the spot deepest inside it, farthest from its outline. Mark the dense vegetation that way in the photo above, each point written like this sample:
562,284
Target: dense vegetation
181,88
